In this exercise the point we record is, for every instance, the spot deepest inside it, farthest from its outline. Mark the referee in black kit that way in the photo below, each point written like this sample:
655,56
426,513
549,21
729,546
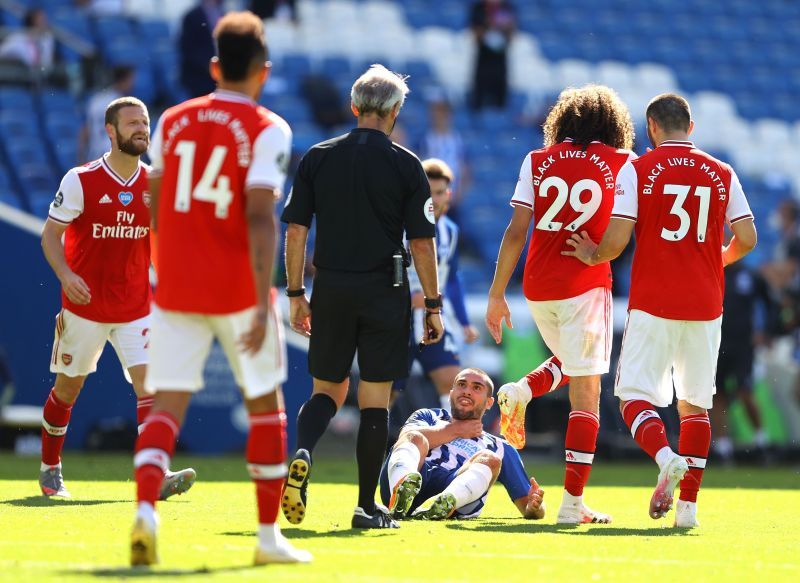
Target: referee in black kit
365,191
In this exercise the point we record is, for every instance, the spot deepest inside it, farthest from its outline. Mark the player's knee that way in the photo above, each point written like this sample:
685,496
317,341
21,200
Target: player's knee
416,438
67,388
490,460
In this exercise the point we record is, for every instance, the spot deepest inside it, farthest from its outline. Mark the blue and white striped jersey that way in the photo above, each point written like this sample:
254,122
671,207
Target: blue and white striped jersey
451,456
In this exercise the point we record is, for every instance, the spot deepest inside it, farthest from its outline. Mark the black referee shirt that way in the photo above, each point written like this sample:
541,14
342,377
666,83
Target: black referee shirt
365,190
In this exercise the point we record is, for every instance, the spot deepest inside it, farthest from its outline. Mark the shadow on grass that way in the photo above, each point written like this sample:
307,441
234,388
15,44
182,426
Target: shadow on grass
43,501
300,533
520,525
144,572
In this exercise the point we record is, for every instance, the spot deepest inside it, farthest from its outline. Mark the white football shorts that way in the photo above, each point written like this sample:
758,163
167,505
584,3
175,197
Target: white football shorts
180,343
78,344
577,330
657,352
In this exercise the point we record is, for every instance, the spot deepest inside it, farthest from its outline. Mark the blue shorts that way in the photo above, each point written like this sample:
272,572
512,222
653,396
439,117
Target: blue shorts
431,357
434,481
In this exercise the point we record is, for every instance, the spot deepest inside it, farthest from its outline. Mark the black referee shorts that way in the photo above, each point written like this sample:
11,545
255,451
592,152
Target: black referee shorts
359,312
735,366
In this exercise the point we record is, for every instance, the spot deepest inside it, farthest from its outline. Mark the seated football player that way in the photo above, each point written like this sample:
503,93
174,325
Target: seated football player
444,464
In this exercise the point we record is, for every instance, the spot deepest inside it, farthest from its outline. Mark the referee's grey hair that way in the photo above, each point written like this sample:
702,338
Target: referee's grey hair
378,91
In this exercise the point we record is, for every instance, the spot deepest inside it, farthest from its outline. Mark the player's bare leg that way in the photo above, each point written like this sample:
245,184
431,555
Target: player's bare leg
266,463
174,482
442,379
580,443
154,449
472,481
55,420
406,459
312,421
513,398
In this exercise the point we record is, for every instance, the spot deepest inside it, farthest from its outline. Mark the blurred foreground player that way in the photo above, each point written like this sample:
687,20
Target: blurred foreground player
679,199
444,463
566,186
219,164
101,210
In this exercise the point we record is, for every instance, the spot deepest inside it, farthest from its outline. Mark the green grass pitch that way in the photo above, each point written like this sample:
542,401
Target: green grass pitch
749,531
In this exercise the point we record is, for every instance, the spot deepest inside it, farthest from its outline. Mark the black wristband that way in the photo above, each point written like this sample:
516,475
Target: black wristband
295,293
433,303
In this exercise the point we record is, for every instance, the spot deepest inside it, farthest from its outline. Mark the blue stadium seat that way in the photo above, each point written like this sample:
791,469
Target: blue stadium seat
295,65
16,99
154,29
16,125
57,101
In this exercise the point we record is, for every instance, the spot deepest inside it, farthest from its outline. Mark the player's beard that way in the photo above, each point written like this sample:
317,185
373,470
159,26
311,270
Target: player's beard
461,415
129,146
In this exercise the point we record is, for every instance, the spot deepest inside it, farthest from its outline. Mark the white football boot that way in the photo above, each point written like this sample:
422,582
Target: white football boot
574,511
668,478
686,514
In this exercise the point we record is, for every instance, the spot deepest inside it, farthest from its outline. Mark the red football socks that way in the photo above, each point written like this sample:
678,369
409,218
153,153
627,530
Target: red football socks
546,377
55,420
693,444
143,406
266,457
646,426
580,444
154,448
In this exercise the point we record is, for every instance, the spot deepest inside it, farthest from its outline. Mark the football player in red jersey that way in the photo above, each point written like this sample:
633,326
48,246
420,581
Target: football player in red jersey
679,199
103,266
565,187
219,165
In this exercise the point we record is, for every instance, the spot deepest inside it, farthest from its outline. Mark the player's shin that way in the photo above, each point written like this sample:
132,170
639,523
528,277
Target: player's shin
403,460
55,419
547,377
693,445
580,443
266,463
154,449
647,429
470,484
143,406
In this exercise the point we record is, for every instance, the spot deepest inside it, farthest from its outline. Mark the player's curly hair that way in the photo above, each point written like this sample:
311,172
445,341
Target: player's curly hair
589,113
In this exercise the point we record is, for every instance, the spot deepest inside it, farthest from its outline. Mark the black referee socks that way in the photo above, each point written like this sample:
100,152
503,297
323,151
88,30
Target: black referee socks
313,420
373,434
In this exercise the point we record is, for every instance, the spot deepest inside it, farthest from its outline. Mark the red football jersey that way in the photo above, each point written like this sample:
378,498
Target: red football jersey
208,151
107,241
570,188
680,198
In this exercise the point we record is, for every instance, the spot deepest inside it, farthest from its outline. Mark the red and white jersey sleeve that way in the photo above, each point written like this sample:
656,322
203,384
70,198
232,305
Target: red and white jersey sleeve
738,207
272,150
68,202
626,201
523,193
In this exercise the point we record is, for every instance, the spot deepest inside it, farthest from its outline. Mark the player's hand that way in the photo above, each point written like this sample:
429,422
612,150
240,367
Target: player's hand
467,428
433,328
535,500
300,315
418,300
471,334
583,248
496,311
76,289
251,341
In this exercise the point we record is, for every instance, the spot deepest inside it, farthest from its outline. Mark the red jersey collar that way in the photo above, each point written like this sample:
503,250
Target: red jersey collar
110,171
680,143
226,95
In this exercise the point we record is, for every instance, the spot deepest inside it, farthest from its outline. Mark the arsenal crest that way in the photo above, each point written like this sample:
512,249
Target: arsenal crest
146,198
66,359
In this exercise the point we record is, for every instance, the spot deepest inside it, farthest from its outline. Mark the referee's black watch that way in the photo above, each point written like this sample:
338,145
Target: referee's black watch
295,293
434,303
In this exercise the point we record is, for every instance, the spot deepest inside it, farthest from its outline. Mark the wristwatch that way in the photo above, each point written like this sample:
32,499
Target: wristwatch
433,303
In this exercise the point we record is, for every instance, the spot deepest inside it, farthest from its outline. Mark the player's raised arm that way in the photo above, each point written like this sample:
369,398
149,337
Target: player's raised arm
510,250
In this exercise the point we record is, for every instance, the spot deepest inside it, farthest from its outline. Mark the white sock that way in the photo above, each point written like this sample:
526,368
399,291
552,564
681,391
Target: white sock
444,402
404,460
724,447
44,467
147,512
269,535
664,456
571,501
470,484
760,438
